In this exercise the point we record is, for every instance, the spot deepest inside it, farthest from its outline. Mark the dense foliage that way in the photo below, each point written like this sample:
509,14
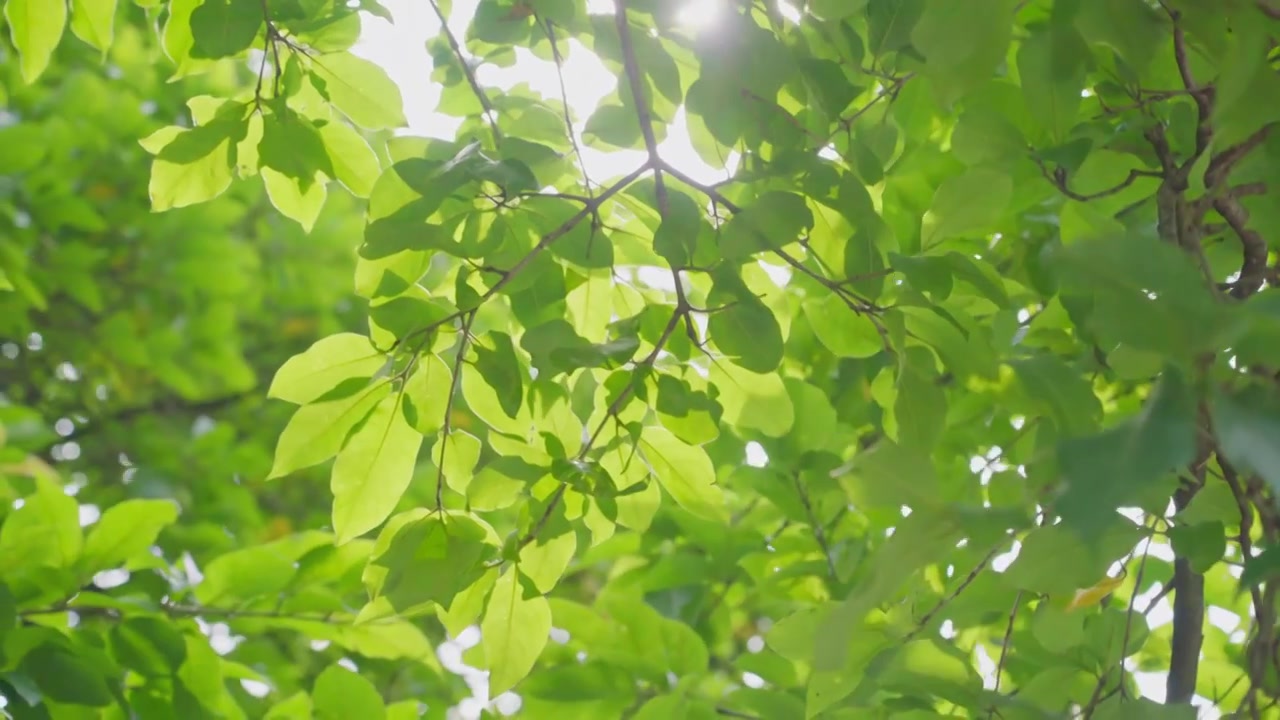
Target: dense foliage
957,396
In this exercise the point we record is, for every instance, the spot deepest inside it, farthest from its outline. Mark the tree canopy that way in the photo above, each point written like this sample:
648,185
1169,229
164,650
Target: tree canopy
955,396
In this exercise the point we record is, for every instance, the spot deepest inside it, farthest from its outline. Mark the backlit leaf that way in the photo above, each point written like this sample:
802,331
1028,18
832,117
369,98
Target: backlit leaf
36,27
514,630
373,470
325,365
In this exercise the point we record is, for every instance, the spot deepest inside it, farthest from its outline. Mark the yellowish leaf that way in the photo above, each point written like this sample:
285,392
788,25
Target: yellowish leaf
1091,596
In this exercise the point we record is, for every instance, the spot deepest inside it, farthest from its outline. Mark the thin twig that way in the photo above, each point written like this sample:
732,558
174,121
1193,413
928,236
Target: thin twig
485,105
455,386
614,408
944,602
1058,176
645,117
549,28
1133,601
819,534
546,242
1004,643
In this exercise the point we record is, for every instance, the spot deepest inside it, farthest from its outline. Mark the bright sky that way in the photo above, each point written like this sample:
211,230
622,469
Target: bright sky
400,48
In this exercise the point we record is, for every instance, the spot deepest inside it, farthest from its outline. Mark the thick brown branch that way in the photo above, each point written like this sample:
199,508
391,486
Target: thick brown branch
1221,164
1202,96
1188,595
1253,267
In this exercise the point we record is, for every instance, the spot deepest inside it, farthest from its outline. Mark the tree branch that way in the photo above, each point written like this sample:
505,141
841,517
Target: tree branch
485,105
1188,594
819,533
509,275
1203,100
645,117
1253,267
564,101
944,602
1058,177
1004,643
1221,164
455,385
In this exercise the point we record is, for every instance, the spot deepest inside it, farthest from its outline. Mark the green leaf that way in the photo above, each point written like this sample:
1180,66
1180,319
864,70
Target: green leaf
968,204
543,563
500,368
513,633
354,163
65,677
149,645
373,470
294,148
840,329
889,475
361,90
962,45
1112,469
774,220
125,531
36,28
919,540
1247,424
1051,67
1261,567
298,200
421,558
222,28
317,431
43,532
22,147
742,326
676,238
614,125
93,21
680,706
245,574
836,9
1053,561
561,12
340,694
1058,630
920,410
325,365
297,705
1052,385
190,178
1146,293
889,24
1202,545
426,395
752,401
685,472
